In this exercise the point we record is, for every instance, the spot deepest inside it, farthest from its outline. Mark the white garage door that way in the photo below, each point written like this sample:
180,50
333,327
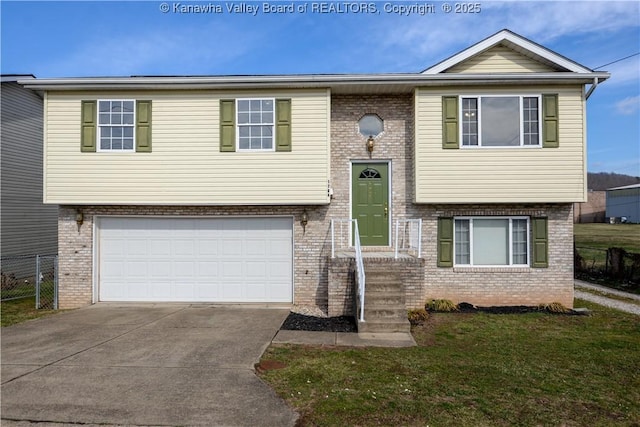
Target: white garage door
195,259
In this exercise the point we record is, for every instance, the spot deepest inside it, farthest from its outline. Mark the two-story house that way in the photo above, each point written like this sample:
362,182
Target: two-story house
224,188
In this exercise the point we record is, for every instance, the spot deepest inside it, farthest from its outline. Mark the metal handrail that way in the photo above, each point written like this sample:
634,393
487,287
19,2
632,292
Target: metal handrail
360,275
359,269
411,240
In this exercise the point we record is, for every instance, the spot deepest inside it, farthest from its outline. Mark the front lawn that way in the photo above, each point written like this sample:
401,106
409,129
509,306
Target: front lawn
474,369
21,310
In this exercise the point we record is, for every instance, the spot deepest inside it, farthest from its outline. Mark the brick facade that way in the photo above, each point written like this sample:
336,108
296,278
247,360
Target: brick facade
311,247
325,283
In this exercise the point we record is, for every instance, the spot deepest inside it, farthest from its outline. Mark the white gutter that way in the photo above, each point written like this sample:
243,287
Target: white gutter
593,87
307,81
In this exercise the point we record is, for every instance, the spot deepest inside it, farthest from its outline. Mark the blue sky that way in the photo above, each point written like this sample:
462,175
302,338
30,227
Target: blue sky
81,38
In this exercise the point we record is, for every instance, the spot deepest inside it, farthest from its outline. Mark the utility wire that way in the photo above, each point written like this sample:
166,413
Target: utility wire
618,60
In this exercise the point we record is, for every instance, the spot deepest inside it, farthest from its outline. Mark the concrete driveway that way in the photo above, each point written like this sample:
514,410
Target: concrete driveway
150,364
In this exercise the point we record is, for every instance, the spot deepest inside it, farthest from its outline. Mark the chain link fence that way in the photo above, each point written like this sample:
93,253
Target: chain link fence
613,265
30,276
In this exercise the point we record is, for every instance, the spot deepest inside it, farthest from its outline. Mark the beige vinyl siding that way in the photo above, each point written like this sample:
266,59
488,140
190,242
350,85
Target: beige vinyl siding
500,59
186,165
499,175
28,226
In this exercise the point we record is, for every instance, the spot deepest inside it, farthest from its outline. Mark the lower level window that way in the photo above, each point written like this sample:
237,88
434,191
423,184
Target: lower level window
491,241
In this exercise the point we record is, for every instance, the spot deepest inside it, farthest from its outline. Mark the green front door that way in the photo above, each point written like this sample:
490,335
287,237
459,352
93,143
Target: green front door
370,202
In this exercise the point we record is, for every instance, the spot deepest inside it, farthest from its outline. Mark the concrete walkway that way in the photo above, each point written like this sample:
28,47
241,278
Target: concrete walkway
348,339
153,364
582,291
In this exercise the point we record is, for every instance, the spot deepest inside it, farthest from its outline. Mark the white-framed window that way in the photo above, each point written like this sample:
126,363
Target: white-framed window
491,241
500,121
116,124
255,122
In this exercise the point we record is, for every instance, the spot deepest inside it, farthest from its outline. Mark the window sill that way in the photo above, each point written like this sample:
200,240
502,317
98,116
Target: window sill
494,147
492,269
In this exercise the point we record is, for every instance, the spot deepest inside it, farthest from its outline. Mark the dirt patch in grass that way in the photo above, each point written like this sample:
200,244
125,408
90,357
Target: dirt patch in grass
269,365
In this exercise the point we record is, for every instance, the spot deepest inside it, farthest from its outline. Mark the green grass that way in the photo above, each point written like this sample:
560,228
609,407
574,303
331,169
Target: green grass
19,290
474,369
21,310
603,236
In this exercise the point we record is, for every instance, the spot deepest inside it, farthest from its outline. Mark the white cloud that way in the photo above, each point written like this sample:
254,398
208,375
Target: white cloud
426,40
628,106
547,20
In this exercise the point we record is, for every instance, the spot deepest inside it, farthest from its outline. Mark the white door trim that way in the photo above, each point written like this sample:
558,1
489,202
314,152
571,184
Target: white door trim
388,162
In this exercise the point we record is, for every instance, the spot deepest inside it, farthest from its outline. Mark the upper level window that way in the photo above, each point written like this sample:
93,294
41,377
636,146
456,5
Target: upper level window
370,125
491,241
116,125
255,124
500,121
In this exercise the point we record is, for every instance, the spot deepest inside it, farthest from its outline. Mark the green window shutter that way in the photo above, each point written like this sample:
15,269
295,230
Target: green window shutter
445,242
143,126
88,126
540,243
450,122
550,121
283,125
227,125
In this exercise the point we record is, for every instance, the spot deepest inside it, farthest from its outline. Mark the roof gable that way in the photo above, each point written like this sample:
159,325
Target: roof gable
501,59
507,52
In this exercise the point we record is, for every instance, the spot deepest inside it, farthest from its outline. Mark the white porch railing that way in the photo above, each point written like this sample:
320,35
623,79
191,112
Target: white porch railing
341,232
409,237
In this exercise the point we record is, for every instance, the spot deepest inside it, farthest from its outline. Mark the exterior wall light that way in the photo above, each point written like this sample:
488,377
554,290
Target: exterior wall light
370,145
79,219
304,220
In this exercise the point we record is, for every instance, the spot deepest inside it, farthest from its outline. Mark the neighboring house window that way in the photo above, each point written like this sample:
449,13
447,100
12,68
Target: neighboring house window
255,119
491,241
500,121
116,125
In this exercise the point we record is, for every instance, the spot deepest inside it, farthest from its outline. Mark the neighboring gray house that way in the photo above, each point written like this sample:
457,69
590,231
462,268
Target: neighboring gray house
624,202
27,226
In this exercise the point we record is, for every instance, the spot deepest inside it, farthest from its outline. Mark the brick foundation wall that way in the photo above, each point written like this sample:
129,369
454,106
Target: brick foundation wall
75,259
503,286
341,292
312,247
482,286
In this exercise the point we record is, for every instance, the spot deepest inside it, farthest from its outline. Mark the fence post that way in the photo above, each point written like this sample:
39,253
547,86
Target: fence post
37,282
55,282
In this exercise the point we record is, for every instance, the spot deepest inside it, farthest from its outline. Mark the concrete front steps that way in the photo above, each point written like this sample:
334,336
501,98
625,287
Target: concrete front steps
384,303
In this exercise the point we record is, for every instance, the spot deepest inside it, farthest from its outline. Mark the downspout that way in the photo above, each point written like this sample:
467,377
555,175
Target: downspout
592,88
